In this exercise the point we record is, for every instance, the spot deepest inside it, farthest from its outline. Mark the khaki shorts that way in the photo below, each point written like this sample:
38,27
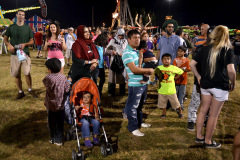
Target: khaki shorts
68,53
15,66
163,100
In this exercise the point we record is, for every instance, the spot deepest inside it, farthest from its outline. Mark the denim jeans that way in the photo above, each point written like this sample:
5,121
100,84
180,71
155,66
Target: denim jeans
56,125
181,91
134,104
85,128
194,105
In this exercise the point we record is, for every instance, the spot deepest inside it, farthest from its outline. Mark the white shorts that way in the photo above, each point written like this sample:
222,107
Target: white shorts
218,94
62,62
68,53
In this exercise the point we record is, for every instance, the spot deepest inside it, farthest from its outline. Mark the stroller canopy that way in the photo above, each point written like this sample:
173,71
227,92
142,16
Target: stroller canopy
84,85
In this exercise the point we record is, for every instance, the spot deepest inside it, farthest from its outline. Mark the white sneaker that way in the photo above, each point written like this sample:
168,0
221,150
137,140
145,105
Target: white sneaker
58,143
137,133
145,125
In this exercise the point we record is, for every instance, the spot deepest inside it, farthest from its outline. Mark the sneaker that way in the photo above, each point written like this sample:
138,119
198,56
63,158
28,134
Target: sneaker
197,140
58,143
20,95
41,55
213,145
37,57
45,57
137,133
145,125
96,141
190,126
32,94
88,143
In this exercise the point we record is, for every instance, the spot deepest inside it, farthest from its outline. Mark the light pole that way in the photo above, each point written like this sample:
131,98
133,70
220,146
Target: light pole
169,1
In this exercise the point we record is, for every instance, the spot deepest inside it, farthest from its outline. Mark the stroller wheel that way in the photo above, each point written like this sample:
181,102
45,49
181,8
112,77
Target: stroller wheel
109,149
74,155
80,155
103,150
77,156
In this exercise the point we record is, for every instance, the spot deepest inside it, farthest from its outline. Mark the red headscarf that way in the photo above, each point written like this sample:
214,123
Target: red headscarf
80,47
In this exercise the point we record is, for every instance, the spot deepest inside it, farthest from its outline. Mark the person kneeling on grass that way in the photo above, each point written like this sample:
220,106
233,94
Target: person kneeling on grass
167,89
88,114
56,88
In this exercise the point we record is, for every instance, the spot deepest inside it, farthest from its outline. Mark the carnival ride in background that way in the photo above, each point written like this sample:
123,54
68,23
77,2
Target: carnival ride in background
43,7
123,17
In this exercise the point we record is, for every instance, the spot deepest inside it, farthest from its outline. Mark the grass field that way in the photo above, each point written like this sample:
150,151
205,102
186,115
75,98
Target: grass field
24,134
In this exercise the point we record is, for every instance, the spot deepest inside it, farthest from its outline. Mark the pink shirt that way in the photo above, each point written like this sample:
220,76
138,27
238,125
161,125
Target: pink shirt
55,50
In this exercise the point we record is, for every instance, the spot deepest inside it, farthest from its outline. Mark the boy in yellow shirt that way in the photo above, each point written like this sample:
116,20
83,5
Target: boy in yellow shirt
167,90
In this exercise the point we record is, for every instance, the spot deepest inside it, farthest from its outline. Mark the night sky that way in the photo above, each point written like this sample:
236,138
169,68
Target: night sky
186,12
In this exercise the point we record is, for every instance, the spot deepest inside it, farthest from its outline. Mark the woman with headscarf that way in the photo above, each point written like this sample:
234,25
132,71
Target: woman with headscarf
116,47
85,56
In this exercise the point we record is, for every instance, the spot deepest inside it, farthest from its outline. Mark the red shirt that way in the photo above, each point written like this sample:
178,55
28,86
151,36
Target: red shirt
182,63
38,38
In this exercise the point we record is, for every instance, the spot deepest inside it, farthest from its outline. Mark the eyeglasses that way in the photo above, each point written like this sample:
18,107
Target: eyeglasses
170,26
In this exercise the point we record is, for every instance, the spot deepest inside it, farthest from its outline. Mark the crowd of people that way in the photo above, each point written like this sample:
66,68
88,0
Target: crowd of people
214,63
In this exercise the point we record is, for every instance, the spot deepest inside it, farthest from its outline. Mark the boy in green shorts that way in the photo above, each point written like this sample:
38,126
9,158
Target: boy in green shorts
167,90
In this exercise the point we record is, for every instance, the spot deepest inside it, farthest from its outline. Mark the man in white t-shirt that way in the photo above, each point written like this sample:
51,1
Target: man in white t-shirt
70,39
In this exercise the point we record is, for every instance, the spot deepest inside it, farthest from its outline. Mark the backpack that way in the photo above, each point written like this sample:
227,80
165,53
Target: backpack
117,64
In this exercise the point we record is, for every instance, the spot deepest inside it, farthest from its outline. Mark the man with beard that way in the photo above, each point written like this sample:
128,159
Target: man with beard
170,42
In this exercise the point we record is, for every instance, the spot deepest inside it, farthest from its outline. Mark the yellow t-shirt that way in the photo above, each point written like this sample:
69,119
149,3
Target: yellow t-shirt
167,77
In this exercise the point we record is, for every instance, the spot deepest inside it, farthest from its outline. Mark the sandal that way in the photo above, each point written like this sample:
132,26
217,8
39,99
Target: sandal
163,116
88,143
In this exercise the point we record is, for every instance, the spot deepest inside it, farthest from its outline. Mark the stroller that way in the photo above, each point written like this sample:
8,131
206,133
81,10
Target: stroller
85,85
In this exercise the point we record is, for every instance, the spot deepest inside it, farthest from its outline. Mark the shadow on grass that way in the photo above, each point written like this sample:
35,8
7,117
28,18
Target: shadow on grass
25,131
8,93
108,114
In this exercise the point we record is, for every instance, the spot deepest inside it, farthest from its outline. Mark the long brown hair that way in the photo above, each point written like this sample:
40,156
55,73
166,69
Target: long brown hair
49,33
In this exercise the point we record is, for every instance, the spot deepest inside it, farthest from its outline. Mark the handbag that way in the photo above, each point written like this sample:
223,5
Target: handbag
117,64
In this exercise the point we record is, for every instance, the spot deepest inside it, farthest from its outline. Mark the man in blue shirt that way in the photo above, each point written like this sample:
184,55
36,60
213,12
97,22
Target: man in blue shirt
137,92
170,42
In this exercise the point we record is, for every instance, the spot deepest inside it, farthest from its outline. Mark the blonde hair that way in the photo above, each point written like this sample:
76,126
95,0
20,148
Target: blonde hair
219,39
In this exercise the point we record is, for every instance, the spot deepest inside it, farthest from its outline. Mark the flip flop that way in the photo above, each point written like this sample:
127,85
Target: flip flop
163,116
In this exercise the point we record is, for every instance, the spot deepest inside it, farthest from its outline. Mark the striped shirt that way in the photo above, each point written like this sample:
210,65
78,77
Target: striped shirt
131,55
199,41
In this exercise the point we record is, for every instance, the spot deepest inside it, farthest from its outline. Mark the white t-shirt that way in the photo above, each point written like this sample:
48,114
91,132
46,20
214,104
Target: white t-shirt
69,41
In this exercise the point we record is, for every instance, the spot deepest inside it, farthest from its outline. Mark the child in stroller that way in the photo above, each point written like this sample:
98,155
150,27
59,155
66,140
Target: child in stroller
88,114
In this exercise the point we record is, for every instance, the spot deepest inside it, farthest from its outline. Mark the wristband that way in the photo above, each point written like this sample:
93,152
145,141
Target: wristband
69,81
89,62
